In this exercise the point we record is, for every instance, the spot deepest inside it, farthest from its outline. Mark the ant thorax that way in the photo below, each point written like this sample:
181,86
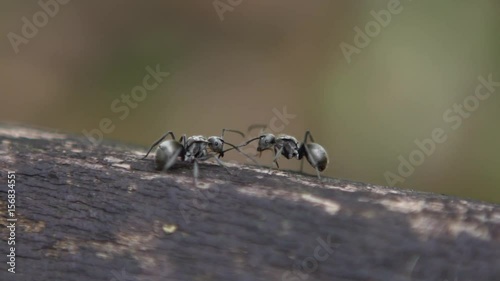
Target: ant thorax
288,145
196,148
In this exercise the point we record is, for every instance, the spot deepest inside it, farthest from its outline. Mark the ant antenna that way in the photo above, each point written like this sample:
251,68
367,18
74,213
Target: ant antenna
243,144
239,150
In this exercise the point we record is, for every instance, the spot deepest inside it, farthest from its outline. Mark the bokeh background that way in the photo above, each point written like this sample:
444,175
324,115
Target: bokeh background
267,55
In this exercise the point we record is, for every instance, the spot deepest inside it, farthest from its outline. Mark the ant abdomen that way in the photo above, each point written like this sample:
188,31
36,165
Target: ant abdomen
167,153
317,156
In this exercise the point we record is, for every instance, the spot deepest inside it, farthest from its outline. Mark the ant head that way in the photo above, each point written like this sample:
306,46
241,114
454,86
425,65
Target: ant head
216,144
266,141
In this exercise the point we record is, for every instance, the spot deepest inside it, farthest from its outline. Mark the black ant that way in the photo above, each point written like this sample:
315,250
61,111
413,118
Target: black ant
289,147
191,149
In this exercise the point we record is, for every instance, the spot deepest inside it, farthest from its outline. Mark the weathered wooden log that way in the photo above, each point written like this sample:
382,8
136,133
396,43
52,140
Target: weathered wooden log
89,212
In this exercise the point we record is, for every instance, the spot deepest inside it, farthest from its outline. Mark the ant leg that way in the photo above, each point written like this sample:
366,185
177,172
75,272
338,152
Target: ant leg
196,172
308,134
163,160
172,160
244,154
304,151
317,172
216,159
158,141
182,140
241,145
223,142
222,164
277,154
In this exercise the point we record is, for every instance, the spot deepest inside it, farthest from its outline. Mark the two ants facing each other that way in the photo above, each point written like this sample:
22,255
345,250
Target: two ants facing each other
199,148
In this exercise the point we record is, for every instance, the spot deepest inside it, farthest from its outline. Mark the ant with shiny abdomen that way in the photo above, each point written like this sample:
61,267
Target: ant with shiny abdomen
191,149
289,147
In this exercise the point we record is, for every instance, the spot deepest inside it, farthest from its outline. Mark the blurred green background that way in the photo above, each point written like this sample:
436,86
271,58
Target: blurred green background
231,69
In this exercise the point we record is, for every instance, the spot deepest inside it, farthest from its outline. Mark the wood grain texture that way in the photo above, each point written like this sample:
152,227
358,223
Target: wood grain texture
99,213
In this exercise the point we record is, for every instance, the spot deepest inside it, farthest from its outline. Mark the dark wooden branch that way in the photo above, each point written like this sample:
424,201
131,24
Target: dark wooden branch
100,213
